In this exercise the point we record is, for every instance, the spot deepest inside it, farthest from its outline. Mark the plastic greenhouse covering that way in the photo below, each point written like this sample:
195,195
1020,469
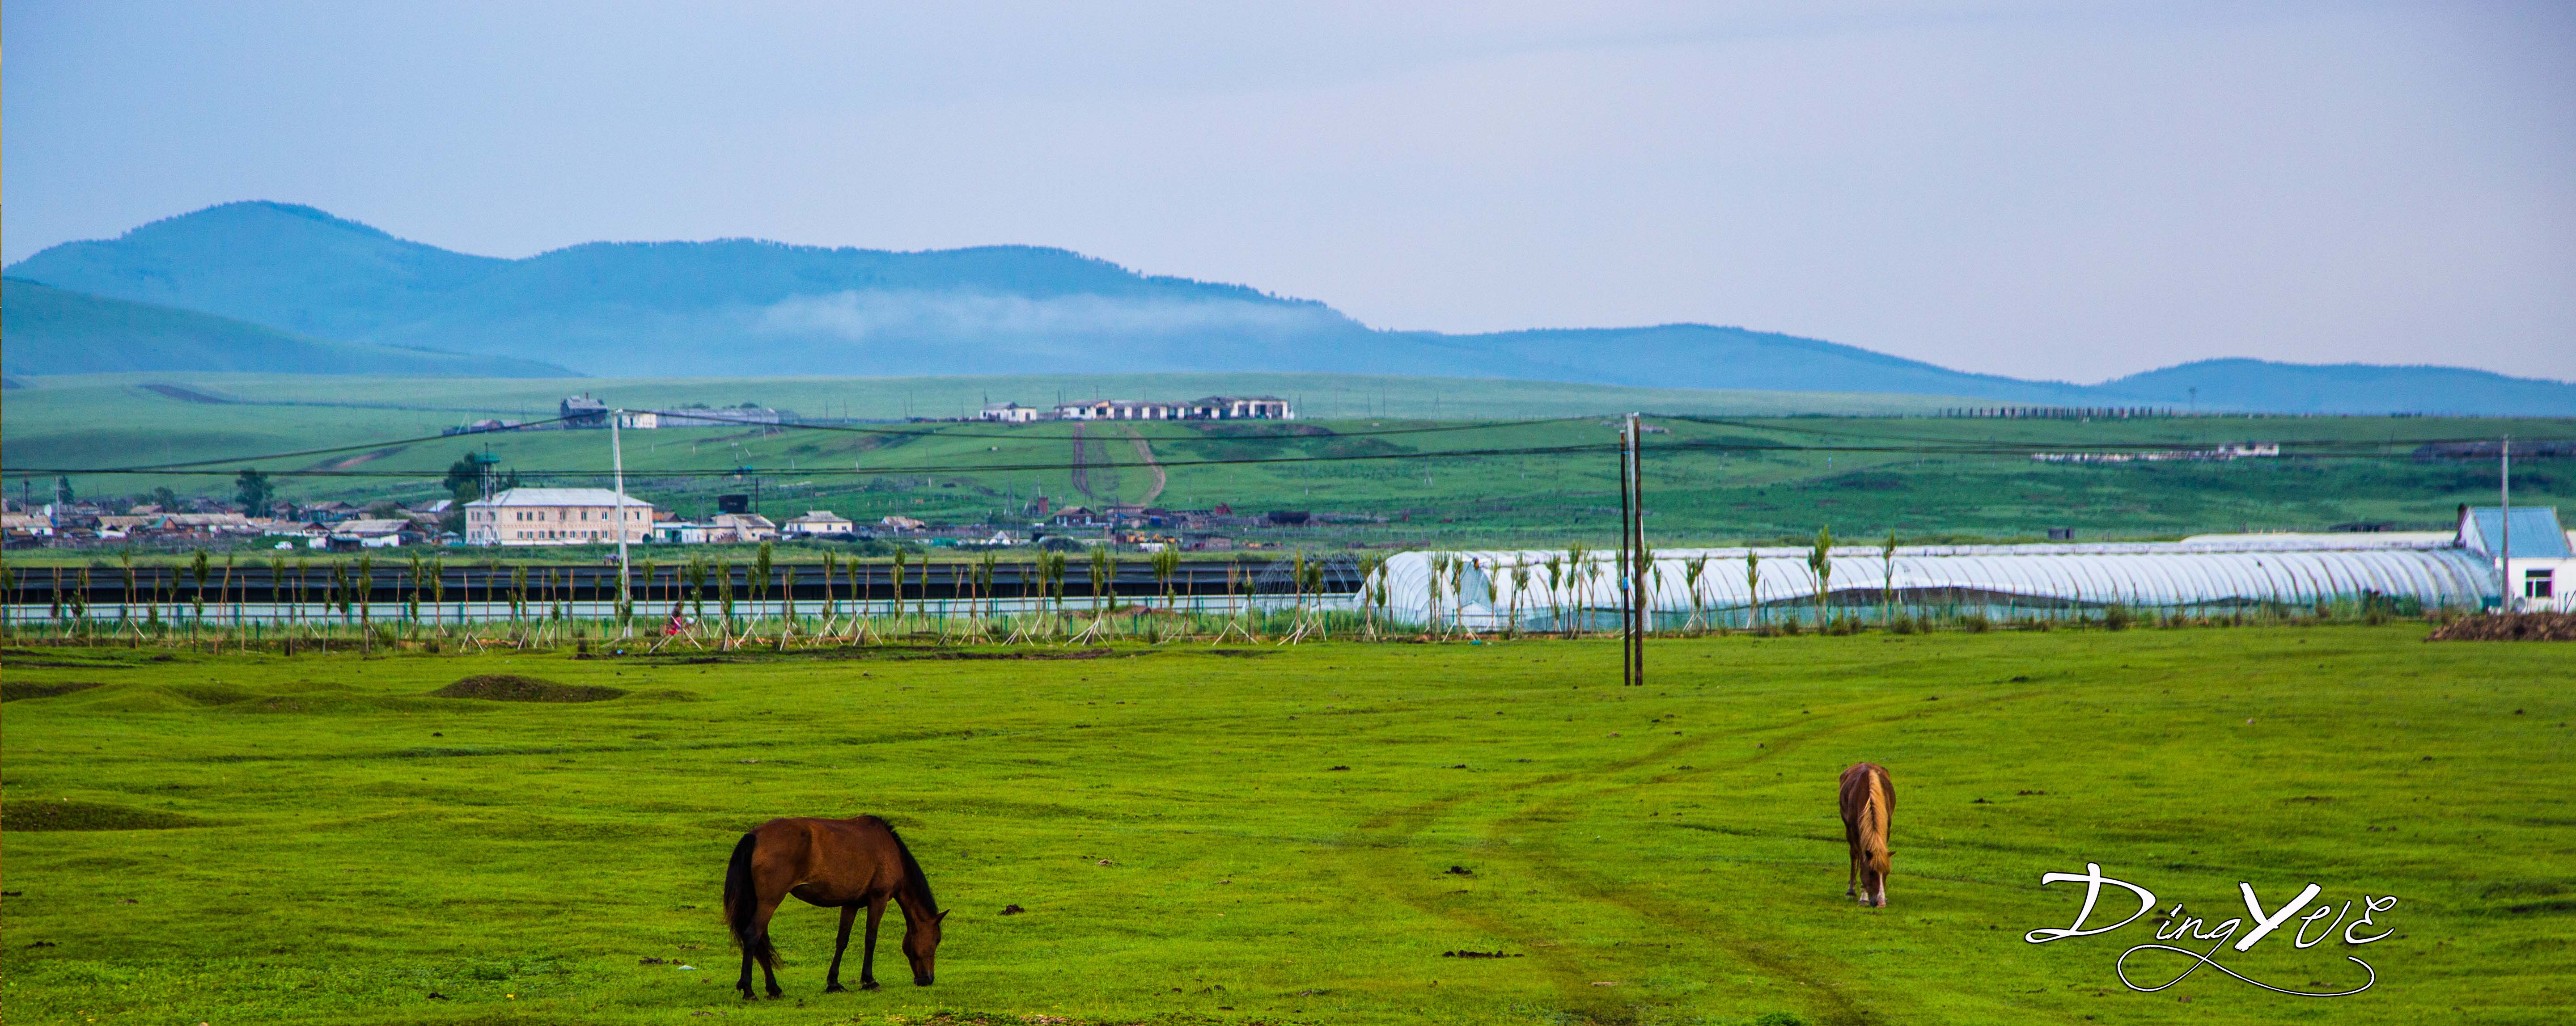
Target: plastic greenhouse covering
1543,590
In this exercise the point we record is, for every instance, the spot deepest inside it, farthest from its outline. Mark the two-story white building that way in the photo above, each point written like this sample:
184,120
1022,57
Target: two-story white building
556,516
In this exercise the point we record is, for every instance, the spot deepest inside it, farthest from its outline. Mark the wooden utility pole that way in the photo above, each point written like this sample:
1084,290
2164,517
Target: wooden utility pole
1627,514
1633,564
617,463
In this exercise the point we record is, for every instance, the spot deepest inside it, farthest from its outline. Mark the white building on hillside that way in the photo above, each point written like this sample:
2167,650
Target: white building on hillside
555,516
1214,407
818,522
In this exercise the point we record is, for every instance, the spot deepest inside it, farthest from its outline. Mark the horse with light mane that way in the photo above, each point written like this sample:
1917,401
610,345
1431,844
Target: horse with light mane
1868,800
829,863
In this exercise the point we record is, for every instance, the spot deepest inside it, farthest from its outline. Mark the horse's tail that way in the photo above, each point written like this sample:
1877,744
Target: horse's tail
1868,806
1877,815
742,905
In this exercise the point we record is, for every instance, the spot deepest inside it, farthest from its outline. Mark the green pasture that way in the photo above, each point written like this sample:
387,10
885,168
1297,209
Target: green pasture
318,840
973,472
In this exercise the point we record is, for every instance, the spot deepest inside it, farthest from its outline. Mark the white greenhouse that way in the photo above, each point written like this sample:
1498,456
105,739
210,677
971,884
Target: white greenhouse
1546,590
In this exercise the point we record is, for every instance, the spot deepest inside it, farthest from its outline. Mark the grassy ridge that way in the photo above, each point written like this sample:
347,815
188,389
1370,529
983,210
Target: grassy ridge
1665,854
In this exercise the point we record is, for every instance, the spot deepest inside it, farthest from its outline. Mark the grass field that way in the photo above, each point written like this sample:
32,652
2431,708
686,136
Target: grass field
967,473
318,840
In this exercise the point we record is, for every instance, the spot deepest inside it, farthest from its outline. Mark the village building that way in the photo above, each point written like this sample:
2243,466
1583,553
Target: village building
817,522
2528,549
375,534
555,516
1215,407
582,411
741,527
701,416
328,510
1009,413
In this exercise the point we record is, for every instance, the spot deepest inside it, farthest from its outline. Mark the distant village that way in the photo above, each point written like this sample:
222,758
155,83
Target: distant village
517,517
545,516
587,412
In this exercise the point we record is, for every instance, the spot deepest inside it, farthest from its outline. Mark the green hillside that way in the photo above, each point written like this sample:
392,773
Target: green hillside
1870,483
58,331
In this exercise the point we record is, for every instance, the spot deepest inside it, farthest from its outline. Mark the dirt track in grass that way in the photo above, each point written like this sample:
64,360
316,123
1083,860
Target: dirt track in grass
1326,834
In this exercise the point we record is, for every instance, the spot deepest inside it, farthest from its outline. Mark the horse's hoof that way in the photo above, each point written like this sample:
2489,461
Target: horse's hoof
836,989
868,985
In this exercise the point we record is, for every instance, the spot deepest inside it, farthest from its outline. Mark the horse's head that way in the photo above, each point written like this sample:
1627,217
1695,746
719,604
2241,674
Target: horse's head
1873,877
921,946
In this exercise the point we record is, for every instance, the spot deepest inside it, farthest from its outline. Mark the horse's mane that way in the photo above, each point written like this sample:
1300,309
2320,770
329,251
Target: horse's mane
911,868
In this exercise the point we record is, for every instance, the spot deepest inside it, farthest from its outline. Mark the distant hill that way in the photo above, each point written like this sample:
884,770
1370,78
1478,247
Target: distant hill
2344,387
742,308
54,331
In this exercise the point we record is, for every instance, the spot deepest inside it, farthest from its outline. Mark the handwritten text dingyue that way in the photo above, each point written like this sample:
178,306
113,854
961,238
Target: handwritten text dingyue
2177,926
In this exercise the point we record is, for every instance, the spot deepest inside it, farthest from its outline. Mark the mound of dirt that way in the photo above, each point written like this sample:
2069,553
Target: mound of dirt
45,815
15,690
2510,627
505,687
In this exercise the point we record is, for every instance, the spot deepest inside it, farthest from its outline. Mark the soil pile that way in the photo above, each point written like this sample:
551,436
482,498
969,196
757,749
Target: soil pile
506,687
2510,627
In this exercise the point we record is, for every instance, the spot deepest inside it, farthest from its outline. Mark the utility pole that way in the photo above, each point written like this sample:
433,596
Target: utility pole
617,461
1632,553
2504,528
1627,512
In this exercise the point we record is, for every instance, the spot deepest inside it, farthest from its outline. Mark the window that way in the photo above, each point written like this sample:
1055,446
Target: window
2536,583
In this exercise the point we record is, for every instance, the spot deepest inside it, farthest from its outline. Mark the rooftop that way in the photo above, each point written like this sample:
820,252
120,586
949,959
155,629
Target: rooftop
556,497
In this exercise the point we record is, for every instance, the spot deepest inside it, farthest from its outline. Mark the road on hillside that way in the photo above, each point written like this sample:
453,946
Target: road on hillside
1145,452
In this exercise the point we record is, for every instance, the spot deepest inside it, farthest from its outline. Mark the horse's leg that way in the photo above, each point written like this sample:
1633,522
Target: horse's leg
759,940
868,954
832,980
1851,843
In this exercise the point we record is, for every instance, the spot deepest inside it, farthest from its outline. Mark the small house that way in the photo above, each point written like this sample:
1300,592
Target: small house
816,523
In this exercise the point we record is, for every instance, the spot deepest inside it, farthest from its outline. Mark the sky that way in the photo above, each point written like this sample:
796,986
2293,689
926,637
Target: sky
2070,191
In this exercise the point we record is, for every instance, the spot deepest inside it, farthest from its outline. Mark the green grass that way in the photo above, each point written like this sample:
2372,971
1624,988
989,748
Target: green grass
960,473
1663,854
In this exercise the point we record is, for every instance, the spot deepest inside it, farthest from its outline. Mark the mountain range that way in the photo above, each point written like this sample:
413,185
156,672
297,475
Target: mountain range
285,283
57,331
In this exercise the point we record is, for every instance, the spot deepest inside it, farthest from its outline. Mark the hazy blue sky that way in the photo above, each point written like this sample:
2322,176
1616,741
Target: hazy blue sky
2050,190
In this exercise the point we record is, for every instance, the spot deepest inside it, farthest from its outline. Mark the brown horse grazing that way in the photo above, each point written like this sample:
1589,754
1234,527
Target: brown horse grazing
1869,799
831,863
